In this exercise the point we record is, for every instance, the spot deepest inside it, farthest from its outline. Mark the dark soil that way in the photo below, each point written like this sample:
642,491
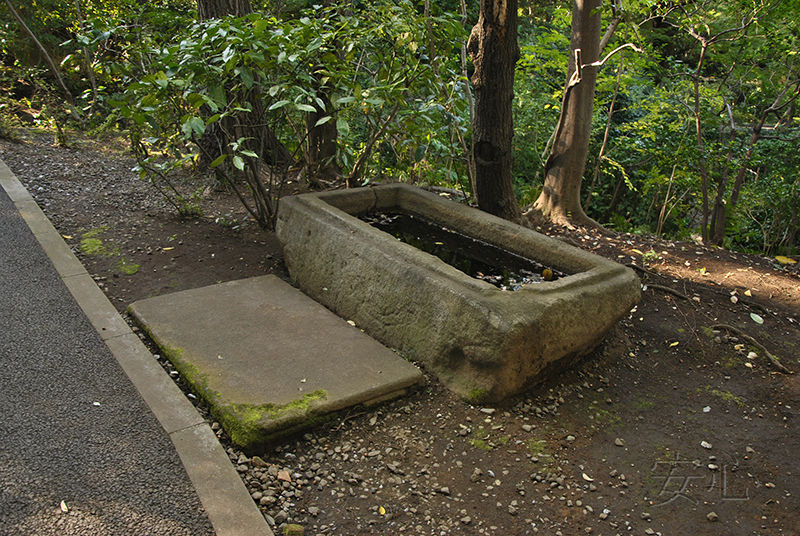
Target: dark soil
671,426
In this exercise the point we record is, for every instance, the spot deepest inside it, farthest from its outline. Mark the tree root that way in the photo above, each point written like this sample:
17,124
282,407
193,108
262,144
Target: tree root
754,342
641,269
671,291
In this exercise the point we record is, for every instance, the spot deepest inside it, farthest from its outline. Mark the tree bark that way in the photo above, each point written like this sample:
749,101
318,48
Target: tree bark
218,9
494,51
264,141
321,151
560,197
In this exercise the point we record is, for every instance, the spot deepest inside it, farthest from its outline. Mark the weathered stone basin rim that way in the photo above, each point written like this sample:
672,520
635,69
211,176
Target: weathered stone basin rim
484,343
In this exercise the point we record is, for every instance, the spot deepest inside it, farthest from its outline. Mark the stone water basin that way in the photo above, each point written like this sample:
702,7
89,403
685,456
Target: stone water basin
484,343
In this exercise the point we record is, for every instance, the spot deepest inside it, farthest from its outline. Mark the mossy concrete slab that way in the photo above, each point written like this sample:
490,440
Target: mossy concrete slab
267,359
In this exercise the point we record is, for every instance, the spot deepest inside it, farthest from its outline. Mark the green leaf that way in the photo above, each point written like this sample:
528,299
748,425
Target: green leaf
218,161
419,154
194,125
249,153
323,120
238,162
305,107
247,77
279,104
342,126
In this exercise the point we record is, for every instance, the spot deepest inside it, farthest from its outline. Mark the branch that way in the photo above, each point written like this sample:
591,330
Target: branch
356,173
48,59
754,342
601,62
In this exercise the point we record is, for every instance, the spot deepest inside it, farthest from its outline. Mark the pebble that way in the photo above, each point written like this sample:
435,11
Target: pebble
712,516
619,442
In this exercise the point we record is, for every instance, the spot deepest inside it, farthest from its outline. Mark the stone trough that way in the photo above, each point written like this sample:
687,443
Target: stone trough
484,343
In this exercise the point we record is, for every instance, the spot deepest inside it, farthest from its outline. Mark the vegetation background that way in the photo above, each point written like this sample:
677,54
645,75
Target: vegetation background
695,122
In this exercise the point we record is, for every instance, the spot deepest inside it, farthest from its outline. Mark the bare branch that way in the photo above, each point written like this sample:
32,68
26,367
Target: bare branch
601,62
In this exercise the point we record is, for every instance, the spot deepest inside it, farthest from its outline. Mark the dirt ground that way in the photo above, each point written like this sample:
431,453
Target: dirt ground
675,425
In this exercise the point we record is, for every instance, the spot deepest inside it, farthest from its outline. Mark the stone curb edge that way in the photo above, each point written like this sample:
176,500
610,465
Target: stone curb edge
224,496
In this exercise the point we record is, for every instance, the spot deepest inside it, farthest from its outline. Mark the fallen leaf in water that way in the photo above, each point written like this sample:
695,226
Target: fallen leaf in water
757,319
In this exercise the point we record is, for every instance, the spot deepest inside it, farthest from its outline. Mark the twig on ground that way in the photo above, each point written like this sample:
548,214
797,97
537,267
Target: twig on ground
754,342
348,417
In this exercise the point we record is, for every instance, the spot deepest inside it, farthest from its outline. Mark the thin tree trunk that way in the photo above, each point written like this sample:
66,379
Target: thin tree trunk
588,201
560,197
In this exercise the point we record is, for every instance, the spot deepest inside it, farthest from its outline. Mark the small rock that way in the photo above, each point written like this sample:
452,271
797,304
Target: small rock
705,444
476,475
258,462
488,411
444,490
570,438
527,427
619,442
284,476
750,450
649,531
712,516
646,516
466,520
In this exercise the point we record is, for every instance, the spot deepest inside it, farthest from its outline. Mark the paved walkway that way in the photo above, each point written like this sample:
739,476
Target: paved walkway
96,439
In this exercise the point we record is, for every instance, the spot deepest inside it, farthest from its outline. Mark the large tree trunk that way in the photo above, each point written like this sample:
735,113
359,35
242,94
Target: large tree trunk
494,52
217,9
560,197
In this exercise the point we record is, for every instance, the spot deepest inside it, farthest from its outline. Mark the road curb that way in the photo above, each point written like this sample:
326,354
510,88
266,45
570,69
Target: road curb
224,496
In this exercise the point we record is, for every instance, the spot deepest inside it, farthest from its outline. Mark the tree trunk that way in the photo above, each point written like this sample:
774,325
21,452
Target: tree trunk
321,152
215,141
560,197
493,48
218,9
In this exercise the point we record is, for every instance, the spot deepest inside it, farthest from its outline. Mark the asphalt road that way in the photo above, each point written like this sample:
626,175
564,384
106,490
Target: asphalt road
72,426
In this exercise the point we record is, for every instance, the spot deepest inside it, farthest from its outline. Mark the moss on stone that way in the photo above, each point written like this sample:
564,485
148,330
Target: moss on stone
477,395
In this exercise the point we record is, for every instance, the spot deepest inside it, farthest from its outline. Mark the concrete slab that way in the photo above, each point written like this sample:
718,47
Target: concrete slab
268,359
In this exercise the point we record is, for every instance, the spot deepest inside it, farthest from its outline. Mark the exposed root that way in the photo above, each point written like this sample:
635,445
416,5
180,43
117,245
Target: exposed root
754,342
671,291
641,269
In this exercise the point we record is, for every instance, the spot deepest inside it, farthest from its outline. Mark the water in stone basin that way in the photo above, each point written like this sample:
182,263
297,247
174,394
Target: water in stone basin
475,258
